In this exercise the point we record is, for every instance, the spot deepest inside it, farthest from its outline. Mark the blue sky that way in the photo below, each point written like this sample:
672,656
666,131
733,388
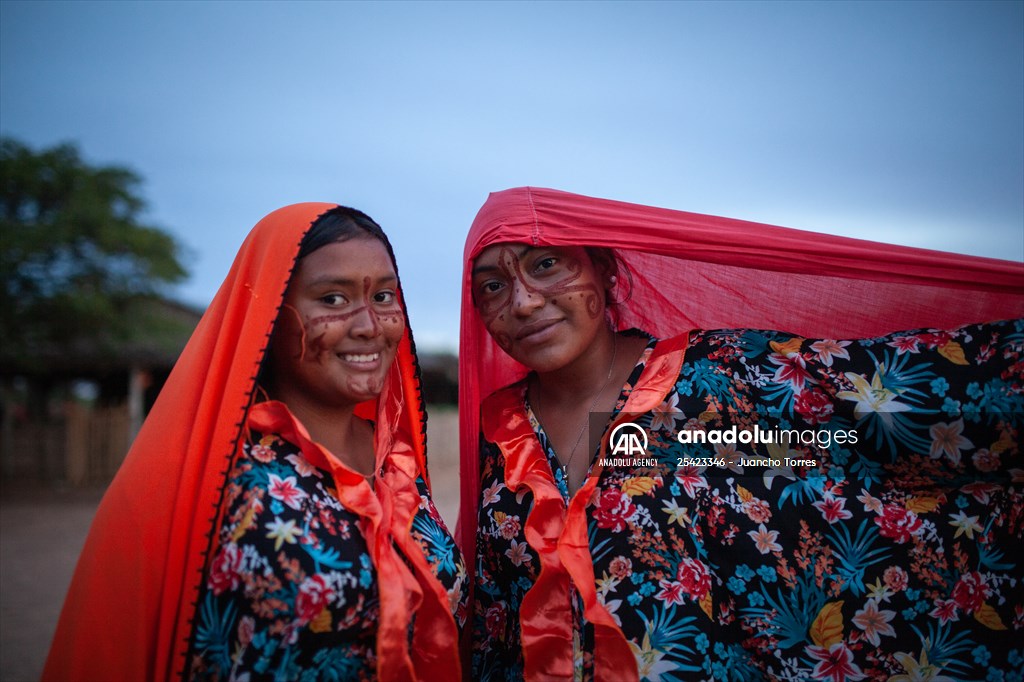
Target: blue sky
893,121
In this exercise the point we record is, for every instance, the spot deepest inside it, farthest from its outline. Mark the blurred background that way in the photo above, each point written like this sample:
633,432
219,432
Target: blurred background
142,140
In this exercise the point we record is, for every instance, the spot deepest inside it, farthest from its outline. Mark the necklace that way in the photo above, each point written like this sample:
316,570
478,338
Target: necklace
586,418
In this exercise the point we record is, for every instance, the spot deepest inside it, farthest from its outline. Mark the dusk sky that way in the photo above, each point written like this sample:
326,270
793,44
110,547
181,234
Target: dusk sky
892,121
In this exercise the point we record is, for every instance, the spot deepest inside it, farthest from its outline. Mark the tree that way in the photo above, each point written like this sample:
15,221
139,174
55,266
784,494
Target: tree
74,254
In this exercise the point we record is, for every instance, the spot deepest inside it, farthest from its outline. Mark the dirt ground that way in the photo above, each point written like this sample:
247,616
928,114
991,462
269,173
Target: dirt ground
41,533
42,529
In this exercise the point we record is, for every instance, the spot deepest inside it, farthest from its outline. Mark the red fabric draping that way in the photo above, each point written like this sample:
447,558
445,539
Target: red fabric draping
695,271
129,611
560,538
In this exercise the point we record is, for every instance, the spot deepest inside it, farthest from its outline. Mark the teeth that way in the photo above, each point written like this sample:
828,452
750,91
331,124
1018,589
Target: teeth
360,358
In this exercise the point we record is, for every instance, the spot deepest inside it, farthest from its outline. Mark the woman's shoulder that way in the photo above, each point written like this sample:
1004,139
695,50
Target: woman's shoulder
506,396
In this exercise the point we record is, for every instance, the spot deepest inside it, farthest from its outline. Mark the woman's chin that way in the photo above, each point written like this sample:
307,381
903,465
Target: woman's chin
543,360
359,392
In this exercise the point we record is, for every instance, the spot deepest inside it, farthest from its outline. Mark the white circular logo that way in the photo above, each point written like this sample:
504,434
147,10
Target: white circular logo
628,440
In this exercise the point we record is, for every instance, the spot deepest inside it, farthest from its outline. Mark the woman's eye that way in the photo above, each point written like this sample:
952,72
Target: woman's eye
490,287
334,299
385,297
546,263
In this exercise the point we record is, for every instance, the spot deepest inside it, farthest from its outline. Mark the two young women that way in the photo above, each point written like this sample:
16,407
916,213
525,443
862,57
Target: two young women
272,518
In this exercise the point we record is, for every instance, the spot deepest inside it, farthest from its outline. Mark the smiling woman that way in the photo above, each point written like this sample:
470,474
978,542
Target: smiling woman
273,518
338,336
545,307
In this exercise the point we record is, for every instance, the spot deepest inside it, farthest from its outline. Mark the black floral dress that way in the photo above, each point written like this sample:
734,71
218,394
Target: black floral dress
875,537
291,592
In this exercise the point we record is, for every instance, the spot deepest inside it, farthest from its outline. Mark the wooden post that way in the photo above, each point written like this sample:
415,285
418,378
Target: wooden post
76,444
7,451
138,380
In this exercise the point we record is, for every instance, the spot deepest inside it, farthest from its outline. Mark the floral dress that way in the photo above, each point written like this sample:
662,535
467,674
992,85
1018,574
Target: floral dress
873,538
291,592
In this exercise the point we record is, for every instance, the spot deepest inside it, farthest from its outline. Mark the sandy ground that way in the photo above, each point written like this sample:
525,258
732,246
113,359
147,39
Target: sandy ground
41,534
42,530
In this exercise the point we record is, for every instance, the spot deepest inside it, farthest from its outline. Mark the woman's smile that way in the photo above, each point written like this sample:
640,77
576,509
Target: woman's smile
537,332
361,358
361,361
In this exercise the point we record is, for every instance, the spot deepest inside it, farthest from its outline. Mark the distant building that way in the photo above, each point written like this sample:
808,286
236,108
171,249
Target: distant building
70,413
440,377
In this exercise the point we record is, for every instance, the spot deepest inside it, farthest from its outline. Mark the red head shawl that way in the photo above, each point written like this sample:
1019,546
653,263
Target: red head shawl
696,271
129,611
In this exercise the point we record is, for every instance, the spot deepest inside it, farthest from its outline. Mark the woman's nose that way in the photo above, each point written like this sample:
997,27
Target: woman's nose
524,299
364,323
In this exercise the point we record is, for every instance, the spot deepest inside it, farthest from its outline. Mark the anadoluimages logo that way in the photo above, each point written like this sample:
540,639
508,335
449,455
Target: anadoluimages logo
628,440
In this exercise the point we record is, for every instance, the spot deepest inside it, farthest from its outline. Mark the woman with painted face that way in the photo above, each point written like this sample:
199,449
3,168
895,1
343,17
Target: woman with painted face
852,547
273,518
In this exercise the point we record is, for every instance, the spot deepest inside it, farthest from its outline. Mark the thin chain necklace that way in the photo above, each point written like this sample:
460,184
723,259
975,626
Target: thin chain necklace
586,418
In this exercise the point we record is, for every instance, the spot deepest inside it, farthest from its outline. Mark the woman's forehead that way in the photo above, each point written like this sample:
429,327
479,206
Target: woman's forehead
494,254
353,259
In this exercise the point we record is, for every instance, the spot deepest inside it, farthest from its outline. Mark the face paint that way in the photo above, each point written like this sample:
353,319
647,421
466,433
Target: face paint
521,291
344,324
567,282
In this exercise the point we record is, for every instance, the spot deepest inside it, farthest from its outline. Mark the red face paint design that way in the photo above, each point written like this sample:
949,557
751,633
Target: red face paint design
341,335
378,316
540,304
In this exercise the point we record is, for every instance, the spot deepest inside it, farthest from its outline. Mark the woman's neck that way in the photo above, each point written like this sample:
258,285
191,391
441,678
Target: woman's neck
584,376
564,400
338,429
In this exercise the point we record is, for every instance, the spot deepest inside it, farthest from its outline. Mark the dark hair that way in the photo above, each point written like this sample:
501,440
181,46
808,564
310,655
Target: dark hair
339,225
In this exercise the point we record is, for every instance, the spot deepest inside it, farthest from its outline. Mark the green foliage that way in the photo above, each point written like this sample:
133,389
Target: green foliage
74,254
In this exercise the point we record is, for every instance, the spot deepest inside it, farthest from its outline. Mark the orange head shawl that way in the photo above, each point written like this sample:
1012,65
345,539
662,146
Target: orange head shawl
128,614
695,271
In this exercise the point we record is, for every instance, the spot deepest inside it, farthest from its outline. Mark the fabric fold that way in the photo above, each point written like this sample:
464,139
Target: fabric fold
547,622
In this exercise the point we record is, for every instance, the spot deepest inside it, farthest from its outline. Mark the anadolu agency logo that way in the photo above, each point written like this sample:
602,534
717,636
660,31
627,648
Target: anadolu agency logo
628,440
628,448
627,445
